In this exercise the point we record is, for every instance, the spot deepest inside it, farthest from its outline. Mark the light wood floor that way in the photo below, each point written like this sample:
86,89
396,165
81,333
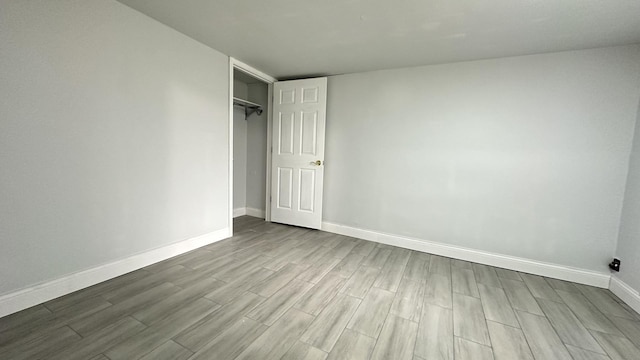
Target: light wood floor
280,292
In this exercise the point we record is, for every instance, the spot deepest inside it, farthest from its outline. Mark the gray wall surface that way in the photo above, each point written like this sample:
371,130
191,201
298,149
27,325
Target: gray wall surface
240,90
113,137
257,148
629,239
524,156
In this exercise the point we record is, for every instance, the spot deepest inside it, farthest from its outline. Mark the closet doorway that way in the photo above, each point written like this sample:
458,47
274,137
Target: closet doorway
283,184
249,165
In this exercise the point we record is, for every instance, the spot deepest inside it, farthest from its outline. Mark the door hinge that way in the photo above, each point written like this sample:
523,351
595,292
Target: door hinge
270,199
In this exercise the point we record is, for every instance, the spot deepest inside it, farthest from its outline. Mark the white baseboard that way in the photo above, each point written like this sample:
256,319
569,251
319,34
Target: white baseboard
37,294
255,212
239,212
248,211
626,293
580,276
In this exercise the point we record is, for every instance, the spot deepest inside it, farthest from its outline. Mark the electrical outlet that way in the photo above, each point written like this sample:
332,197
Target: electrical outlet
615,265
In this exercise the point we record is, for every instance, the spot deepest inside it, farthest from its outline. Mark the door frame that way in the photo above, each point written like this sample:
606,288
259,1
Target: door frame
235,64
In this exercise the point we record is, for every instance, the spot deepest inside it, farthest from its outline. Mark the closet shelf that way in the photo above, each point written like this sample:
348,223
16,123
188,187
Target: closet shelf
249,107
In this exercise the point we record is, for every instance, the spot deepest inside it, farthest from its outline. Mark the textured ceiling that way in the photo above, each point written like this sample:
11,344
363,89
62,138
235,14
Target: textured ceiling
294,38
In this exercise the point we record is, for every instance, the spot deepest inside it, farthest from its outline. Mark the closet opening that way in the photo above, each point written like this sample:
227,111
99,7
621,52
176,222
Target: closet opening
250,126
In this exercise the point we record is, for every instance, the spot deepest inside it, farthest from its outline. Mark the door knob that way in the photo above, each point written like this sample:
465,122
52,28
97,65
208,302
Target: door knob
317,162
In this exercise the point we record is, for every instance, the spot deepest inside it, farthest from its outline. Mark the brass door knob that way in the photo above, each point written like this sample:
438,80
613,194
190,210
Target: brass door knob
317,163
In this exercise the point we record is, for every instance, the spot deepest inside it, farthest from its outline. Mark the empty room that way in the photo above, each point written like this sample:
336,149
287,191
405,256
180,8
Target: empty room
319,180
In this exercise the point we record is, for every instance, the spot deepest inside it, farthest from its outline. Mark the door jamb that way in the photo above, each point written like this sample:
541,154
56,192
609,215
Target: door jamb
269,80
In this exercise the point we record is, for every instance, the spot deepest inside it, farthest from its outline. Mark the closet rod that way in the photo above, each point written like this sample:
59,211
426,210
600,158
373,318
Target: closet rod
249,107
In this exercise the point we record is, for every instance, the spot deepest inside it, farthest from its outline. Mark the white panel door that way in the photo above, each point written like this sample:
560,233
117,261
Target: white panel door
297,172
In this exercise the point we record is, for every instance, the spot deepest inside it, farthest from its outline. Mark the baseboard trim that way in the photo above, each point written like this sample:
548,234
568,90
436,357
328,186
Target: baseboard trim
580,276
249,211
37,294
255,212
239,212
626,293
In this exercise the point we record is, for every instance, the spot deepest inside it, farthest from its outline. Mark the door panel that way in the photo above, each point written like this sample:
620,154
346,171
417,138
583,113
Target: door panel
299,109
286,129
307,190
285,182
309,129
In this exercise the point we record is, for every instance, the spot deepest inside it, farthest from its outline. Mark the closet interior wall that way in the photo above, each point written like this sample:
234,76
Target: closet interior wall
249,149
240,90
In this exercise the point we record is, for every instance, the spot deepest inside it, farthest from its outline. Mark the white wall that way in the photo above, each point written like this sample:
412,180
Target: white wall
257,148
113,137
524,156
239,148
628,249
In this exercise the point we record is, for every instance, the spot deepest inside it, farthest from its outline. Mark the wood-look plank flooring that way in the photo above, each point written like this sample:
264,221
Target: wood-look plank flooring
280,292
